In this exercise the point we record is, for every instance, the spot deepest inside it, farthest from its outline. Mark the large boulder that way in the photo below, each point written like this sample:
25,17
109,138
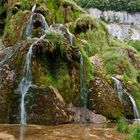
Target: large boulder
45,105
103,100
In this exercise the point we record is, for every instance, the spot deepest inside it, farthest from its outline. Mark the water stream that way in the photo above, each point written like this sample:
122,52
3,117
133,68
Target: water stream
29,28
33,8
26,81
119,90
135,108
83,94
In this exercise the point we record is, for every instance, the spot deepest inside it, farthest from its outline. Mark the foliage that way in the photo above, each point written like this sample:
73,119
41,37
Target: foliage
117,63
122,126
55,38
133,129
135,133
135,44
118,5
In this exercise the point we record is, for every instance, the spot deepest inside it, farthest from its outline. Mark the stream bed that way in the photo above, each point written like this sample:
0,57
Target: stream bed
61,132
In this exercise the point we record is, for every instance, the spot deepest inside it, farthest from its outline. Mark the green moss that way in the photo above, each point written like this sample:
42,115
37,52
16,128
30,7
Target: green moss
60,13
61,80
56,39
14,28
88,69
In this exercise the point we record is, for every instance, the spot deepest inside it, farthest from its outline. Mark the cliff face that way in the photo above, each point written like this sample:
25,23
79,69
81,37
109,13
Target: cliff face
55,54
121,25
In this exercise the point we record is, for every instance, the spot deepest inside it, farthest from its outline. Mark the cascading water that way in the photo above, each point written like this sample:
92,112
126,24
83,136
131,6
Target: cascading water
135,108
44,24
82,83
29,28
83,94
33,8
67,34
70,37
26,81
119,90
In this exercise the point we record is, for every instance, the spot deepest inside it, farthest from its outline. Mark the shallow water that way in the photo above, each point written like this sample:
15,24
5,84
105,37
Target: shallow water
60,132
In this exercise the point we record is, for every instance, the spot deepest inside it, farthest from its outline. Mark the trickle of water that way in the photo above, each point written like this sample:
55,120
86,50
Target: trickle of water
70,37
82,81
118,88
135,108
83,94
29,27
67,34
33,8
26,81
44,24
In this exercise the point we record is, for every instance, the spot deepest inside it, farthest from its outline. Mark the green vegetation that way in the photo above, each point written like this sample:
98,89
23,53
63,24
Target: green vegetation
122,126
135,44
118,5
135,133
132,129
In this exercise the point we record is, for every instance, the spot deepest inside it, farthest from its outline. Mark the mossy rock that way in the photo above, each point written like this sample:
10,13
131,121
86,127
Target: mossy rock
103,100
45,106
14,28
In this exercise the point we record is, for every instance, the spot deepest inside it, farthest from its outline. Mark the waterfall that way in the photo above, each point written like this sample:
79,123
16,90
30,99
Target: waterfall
135,108
119,90
33,8
70,37
29,27
83,94
67,34
82,85
44,24
26,81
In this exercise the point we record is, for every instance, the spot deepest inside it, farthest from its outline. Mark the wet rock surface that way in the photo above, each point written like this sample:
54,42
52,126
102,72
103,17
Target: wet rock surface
103,100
